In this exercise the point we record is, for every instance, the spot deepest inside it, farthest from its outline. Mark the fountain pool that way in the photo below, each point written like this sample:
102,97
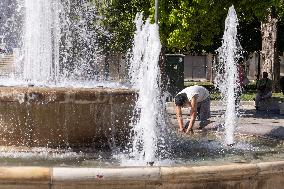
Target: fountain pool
77,137
197,163
202,150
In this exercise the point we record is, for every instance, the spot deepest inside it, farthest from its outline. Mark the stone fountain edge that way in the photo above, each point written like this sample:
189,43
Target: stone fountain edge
238,176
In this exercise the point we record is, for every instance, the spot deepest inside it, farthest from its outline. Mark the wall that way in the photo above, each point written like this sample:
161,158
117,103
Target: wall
200,67
64,116
195,67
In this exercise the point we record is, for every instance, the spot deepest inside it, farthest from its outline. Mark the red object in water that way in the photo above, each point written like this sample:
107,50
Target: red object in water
100,176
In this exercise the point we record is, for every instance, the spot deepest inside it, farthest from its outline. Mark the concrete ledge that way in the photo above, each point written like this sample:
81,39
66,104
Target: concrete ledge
40,117
271,167
236,176
269,104
208,173
23,175
106,174
281,107
62,95
266,175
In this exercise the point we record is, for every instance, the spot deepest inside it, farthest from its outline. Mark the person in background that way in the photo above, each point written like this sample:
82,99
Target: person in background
196,98
241,76
282,84
264,89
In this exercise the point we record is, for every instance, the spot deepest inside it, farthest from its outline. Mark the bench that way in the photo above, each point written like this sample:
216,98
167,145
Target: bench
281,107
269,104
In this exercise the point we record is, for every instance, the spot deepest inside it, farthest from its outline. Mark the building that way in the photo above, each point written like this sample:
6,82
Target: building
201,67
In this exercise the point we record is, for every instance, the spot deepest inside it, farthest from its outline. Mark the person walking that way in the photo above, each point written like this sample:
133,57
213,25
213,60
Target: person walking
264,89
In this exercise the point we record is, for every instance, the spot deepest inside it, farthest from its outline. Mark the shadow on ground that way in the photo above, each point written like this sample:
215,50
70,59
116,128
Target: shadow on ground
253,114
277,133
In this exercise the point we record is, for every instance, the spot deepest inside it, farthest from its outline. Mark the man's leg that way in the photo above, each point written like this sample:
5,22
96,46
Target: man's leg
268,95
198,111
204,113
257,99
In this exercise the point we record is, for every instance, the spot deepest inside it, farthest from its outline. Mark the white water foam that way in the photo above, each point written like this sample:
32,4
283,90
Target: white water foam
148,121
227,78
53,43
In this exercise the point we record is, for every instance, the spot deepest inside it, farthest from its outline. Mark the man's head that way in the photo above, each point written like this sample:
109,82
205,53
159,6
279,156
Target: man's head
181,99
265,75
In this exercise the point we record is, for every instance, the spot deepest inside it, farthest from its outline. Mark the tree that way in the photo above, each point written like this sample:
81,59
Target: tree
190,26
117,26
197,26
270,50
187,25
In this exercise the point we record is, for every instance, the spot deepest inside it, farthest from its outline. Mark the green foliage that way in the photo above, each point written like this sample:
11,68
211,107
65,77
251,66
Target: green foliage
250,35
198,25
186,25
117,22
251,87
280,37
215,96
246,96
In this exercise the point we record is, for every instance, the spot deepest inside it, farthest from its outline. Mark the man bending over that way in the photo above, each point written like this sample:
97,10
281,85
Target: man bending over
198,100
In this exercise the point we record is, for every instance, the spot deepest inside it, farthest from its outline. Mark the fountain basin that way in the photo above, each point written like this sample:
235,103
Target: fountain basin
266,175
51,117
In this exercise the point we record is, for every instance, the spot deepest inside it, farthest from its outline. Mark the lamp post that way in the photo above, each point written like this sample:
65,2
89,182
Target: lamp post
156,11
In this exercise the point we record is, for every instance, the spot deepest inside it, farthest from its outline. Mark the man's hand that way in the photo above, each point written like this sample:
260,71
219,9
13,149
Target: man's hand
193,112
189,131
182,130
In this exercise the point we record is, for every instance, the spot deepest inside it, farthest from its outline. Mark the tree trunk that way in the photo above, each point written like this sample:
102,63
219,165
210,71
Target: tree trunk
270,56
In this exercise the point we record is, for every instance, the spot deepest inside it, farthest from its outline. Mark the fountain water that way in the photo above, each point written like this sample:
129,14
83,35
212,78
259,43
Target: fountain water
55,116
148,120
54,43
51,117
55,51
41,41
227,78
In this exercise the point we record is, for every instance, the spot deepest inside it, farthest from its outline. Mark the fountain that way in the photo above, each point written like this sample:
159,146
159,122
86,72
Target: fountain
53,44
148,123
56,84
67,108
226,79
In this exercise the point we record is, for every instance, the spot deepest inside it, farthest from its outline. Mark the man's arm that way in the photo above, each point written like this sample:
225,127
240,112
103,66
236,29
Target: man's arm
193,113
179,118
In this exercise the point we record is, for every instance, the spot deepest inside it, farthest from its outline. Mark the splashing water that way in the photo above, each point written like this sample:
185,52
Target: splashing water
53,42
41,41
227,79
145,77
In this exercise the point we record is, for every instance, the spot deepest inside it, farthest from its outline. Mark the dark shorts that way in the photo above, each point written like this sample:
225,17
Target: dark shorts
203,113
203,109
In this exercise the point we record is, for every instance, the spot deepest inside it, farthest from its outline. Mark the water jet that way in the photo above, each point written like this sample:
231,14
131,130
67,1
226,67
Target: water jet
76,133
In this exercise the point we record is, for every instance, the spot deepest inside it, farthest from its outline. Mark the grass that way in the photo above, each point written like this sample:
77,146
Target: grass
248,94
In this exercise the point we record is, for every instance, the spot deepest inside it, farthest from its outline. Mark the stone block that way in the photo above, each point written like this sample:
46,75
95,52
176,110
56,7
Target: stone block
281,107
64,116
269,104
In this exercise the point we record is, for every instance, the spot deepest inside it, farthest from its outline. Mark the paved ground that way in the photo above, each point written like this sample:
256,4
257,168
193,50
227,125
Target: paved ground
252,122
